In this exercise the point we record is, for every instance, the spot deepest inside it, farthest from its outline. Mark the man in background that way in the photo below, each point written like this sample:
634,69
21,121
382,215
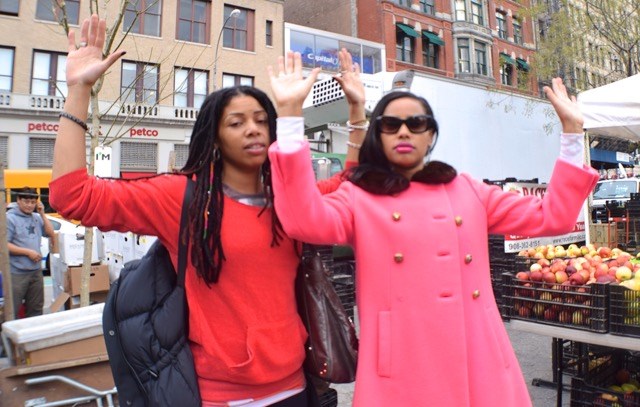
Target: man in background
26,224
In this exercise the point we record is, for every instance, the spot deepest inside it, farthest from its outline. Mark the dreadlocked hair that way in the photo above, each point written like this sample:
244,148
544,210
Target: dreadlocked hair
204,161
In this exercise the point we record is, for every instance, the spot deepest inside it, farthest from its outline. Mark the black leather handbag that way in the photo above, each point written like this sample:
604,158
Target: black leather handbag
145,326
332,346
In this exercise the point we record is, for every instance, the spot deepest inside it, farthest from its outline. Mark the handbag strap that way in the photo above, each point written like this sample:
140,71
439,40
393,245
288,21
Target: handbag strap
183,244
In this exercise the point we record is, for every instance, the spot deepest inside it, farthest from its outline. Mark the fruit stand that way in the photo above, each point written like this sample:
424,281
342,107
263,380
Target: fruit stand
587,299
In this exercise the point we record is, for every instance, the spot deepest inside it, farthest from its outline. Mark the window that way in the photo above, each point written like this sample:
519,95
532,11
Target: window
430,48
426,6
481,57
523,73
139,82
193,21
517,31
190,87
405,3
49,76
182,154
229,80
461,10
430,54
41,152
506,69
502,25
269,33
238,32
50,10
464,57
143,17
405,35
477,16
9,7
6,69
4,150
138,157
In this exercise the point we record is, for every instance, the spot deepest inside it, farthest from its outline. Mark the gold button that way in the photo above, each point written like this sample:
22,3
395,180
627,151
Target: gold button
458,220
398,257
468,258
396,216
476,294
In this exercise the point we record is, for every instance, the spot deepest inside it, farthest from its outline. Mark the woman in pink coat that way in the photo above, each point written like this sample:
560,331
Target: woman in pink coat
430,331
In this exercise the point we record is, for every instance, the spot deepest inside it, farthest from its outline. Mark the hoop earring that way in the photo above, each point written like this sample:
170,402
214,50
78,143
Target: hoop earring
217,155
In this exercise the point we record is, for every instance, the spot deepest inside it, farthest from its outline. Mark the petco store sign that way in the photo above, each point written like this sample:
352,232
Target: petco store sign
42,127
143,132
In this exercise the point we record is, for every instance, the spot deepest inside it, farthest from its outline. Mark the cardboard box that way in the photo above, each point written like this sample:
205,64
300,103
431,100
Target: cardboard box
111,242
99,279
115,262
142,244
127,245
94,298
72,249
88,347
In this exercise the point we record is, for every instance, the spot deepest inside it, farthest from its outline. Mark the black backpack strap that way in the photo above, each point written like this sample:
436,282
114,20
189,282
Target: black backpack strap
183,236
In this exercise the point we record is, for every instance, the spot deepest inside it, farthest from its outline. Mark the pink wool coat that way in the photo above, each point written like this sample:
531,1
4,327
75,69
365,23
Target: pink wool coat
430,330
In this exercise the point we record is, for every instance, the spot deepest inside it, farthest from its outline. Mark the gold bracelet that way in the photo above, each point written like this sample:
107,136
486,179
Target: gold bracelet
353,145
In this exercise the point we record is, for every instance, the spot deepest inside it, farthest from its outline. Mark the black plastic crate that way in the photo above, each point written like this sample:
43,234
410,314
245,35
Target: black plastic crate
584,307
584,360
624,309
599,389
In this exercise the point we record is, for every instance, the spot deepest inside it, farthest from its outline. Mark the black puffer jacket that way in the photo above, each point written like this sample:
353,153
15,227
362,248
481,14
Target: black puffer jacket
145,323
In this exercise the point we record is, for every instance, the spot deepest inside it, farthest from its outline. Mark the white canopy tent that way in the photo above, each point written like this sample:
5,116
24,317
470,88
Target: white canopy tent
613,110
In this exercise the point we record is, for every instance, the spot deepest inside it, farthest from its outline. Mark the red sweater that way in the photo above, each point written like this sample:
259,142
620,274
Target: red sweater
246,336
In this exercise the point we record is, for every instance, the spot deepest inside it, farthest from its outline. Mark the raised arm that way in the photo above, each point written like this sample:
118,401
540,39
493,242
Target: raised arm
85,65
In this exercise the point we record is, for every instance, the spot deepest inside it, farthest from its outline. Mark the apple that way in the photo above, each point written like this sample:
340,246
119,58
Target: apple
538,310
577,279
535,276
623,273
605,279
522,276
550,314
561,277
577,318
604,252
544,262
601,269
535,267
549,277
565,316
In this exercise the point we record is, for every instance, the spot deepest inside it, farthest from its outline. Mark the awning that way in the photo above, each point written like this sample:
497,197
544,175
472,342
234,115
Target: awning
432,38
522,64
506,58
613,157
407,29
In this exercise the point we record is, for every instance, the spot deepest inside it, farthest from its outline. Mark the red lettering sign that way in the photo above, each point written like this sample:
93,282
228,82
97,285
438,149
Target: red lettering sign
143,132
45,127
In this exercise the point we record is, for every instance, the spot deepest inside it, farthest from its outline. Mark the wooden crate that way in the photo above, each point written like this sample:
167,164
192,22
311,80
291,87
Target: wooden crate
605,234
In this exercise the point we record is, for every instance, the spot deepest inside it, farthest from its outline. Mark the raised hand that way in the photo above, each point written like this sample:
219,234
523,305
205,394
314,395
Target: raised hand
349,79
288,86
85,62
566,107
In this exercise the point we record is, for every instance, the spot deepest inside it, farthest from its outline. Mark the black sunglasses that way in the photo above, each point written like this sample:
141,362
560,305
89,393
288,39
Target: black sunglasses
415,124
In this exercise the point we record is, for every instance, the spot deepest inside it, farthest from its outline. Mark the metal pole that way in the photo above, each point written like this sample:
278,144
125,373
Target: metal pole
9,312
234,13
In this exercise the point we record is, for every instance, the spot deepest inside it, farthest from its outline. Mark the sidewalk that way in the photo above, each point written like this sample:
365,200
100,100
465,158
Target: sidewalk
534,354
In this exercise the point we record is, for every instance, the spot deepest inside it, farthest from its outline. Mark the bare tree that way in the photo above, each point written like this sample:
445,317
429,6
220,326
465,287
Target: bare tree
587,42
120,122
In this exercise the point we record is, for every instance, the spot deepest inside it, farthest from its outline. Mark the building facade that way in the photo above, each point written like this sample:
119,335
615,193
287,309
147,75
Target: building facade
487,42
178,51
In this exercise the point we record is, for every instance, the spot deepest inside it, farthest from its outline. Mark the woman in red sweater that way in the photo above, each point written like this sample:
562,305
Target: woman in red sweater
245,334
